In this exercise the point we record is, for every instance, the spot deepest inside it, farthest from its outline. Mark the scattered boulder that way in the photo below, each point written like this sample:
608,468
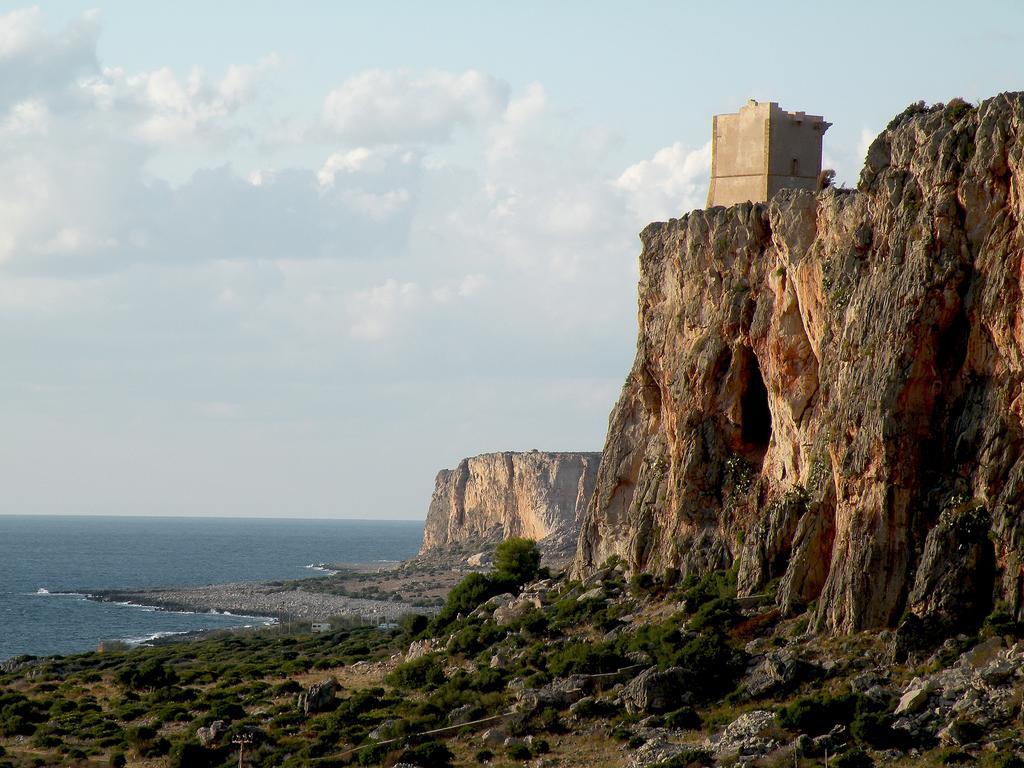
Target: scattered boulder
210,735
419,648
517,608
654,691
493,737
744,736
777,672
16,663
914,697
462,714
319,697
478,560
980,693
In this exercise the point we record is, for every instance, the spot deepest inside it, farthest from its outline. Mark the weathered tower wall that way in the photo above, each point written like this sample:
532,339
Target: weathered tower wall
762,149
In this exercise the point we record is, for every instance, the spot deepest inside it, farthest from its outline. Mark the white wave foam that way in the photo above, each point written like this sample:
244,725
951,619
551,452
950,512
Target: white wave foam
322,568
154,636
44,592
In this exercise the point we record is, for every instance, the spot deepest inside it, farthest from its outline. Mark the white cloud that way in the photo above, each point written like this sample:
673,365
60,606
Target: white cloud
351,269
19,31
35,63
393,106
378,312
361,160
377,206
672,182
30,117
165,108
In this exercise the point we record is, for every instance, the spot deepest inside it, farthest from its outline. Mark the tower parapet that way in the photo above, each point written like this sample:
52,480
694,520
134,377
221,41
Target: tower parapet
761,149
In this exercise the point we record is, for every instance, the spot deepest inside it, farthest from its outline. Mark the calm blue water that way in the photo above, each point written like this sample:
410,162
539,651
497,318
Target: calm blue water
79,554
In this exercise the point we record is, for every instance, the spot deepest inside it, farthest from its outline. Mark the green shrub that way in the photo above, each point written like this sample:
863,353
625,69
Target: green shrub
874,728
713,662
156,748
717,584
191,755
688,758
117,760
429,753
817,714
595,708
957,757
853,758
718,613
516,560
576,657
464,598
150,674
413,623
519,752
419,673
641,583
484,756
621,733
684,718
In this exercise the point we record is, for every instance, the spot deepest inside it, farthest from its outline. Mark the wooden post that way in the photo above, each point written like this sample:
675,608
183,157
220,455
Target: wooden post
241,741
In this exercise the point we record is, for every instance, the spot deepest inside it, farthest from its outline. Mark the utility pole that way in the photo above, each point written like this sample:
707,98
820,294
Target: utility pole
242,740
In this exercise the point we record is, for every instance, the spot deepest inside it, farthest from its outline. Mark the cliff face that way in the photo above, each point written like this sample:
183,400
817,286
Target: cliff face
828,388
494,496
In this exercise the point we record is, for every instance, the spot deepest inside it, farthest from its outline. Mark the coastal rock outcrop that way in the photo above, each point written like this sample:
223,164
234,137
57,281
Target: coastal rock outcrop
494,496
829,388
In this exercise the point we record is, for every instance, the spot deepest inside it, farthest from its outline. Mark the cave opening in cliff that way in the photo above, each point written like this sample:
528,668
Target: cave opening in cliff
756,415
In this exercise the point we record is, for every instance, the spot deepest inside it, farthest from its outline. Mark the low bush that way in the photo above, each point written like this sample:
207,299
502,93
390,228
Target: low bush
426,671
585,658
853,758
684,718
519,752
432,753
688,758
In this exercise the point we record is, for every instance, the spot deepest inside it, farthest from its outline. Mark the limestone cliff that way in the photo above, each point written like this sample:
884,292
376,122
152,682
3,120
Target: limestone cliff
491,497
828,388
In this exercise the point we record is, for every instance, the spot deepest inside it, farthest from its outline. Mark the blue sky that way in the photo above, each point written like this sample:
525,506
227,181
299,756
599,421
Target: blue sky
258,262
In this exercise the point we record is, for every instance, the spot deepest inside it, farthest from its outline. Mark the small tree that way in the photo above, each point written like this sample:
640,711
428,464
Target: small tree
516,560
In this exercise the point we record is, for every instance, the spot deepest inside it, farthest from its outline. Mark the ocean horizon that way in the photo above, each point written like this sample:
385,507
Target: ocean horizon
52,562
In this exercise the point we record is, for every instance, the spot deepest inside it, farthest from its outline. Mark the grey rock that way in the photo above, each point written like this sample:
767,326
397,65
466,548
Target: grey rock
493,737
319,697
654,691
744,736
211,734
777,672
914,697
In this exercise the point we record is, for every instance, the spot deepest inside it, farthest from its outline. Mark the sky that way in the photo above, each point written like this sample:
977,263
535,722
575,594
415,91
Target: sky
276,260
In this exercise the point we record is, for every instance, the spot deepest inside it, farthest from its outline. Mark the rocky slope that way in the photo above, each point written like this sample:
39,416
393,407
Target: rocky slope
491,497
828,388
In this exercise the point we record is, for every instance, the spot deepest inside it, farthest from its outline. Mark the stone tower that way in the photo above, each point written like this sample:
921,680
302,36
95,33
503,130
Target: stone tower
762,149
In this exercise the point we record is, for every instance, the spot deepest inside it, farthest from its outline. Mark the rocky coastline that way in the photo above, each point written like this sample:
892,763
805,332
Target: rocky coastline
262,599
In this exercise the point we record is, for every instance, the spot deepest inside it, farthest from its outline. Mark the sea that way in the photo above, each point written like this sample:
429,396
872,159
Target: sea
49,566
